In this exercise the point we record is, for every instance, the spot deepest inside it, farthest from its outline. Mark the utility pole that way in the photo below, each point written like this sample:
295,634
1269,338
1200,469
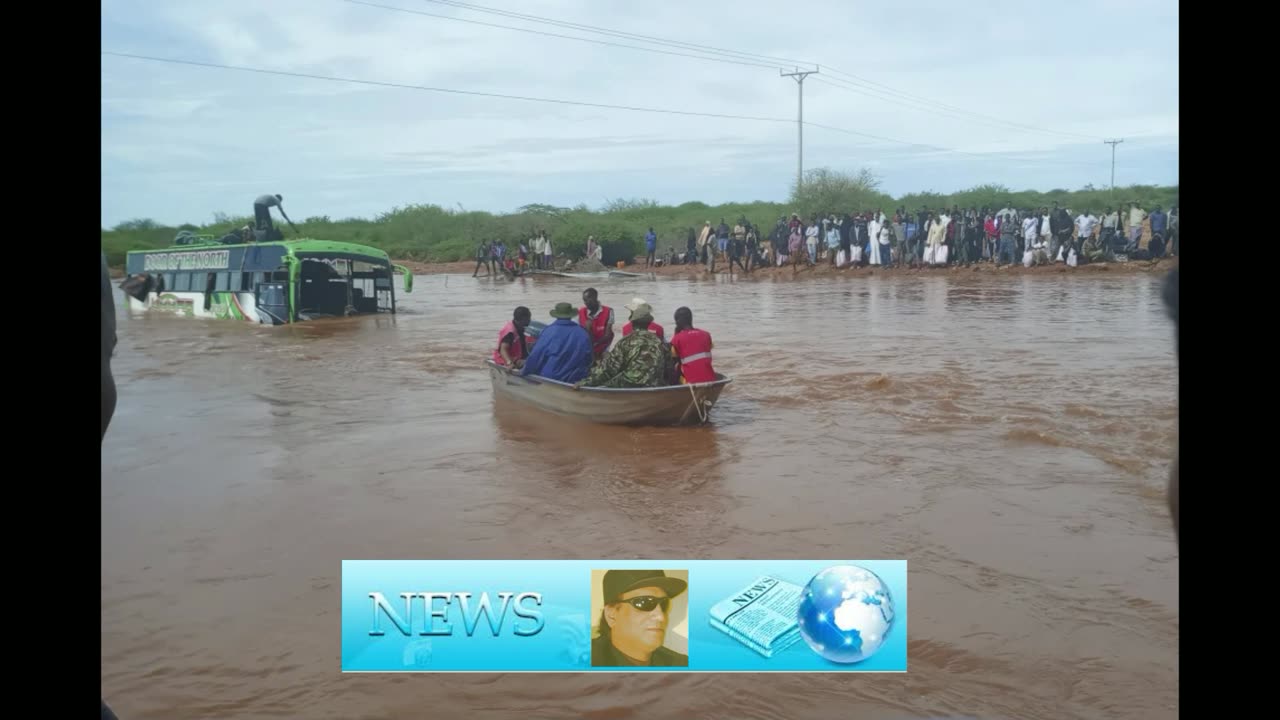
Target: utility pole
1113,144
799,75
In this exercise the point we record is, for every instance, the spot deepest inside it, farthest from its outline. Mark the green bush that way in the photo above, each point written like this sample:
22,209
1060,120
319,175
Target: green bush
430,233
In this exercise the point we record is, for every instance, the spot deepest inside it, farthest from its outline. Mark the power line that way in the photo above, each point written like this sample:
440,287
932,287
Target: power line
881,87
941,111
852,79
851,86
555,101
938,148
557,35
617,33
477,93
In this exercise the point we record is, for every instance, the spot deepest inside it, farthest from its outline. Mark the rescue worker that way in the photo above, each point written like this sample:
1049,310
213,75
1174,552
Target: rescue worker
691,348
513,343
640,360
597,320
654,327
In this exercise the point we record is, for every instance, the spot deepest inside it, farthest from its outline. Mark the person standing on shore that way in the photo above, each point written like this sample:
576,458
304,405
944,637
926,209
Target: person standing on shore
650,247
548,257
1009,231
884,237
795,243
1045,238
1031,237
705,253
873,243
754,260
1134,225
991,233
1085,225
483,260
1160,226
900,235
722,241
1062,224
1110,225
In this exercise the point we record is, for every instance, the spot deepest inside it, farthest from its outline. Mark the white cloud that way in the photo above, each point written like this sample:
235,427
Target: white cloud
180,142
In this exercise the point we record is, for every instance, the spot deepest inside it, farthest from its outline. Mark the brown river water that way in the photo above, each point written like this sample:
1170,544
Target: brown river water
1009,436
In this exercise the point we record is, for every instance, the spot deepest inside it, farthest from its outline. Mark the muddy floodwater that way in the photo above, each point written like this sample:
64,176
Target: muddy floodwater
1008,436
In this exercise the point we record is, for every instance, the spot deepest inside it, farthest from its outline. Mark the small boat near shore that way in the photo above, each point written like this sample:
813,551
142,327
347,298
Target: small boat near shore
662,406
602,275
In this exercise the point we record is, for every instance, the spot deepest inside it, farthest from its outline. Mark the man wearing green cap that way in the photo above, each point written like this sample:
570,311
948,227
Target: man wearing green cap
633,624
563,350
638,360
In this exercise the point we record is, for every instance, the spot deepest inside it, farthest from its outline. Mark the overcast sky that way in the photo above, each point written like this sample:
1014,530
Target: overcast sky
182,142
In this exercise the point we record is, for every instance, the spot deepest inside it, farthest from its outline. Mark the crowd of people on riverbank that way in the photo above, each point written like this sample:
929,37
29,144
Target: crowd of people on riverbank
578,346
928,237
941,237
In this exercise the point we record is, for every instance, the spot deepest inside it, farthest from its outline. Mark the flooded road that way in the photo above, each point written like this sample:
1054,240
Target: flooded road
1008,436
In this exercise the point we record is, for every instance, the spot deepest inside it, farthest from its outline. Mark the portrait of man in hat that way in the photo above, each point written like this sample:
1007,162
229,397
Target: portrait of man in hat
636,614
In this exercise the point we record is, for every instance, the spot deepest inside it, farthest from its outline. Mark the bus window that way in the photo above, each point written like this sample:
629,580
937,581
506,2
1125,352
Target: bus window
246,281
271,295
223,283
182,282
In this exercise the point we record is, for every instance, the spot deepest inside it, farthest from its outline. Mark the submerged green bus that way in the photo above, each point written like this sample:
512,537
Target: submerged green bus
276,282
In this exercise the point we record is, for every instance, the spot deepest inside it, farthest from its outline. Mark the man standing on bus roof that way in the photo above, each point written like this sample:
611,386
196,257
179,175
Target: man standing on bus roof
265,229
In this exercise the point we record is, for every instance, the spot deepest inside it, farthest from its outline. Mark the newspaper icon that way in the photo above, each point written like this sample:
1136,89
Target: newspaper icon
762,616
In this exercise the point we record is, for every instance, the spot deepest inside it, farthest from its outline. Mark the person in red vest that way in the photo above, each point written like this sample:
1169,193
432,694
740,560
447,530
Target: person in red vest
513,343
654,327
597,320
692,350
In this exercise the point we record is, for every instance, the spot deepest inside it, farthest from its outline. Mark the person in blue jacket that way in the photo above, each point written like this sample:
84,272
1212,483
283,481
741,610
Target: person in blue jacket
563,350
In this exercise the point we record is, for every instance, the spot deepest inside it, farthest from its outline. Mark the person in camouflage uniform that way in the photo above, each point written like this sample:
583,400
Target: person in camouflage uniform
640,359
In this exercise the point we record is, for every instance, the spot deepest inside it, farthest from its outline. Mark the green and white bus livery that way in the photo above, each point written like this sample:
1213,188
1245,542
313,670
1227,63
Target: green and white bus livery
276,283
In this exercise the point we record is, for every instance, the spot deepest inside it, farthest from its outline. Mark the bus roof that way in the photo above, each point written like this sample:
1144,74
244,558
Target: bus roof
308,246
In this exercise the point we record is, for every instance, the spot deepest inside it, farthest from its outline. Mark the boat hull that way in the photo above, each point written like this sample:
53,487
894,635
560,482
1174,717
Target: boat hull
664,406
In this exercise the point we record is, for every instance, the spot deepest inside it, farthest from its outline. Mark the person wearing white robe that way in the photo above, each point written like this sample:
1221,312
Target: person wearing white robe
1034,253
873,233
811,242
937,234
1046,227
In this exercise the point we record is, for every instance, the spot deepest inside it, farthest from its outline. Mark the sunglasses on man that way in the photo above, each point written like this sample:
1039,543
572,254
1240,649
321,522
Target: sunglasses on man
646,603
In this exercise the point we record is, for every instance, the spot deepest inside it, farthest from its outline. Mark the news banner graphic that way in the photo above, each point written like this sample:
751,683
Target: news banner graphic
624,615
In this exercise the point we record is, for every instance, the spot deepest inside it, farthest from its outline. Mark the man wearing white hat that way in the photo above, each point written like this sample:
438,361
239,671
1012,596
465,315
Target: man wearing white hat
653,326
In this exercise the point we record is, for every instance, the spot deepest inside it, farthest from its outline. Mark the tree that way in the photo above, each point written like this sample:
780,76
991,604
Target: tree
137,224
826,192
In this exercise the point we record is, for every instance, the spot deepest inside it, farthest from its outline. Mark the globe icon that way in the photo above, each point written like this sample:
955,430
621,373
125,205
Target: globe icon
845,613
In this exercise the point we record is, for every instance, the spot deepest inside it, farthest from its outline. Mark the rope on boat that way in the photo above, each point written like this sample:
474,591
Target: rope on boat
702,415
